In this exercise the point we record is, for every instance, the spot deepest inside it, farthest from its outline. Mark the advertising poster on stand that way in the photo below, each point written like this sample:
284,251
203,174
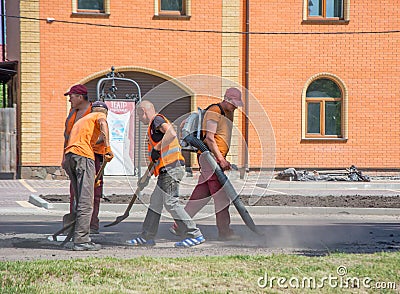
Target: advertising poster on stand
121,123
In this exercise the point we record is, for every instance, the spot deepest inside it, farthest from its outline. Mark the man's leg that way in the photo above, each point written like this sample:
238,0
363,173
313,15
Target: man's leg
153,215
98,192
71,217
170,187
71,196
70,166
221,203
199,198
85,173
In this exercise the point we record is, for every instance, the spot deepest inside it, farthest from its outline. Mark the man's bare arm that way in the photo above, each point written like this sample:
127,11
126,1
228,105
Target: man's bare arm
63,155
104,132
209,140
108,156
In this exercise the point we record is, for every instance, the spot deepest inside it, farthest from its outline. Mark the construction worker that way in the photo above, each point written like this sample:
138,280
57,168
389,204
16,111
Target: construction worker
81,106
165,151
80,167
217,130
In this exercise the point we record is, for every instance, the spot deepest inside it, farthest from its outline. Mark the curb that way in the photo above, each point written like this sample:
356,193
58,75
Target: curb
322,210
209,209
38,201
395,185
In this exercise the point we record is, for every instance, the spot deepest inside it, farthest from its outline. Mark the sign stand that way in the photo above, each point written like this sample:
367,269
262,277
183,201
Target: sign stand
121,120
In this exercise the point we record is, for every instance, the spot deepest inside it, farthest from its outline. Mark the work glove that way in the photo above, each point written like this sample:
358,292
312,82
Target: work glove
155,155
97,184
143,182
224,164
109,154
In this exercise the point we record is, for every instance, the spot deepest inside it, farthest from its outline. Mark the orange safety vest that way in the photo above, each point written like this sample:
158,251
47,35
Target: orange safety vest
171,155
69,123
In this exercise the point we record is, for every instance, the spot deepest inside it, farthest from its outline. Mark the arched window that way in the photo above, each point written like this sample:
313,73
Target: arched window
324,109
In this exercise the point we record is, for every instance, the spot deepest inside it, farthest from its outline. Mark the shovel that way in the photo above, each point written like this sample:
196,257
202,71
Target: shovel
97,180
68,222
70,218
145,177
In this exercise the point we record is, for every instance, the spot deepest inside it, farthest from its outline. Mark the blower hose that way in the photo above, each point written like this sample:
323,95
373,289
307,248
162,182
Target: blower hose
224,181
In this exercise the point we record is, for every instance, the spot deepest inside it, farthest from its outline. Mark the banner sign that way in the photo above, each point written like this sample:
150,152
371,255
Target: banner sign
121,124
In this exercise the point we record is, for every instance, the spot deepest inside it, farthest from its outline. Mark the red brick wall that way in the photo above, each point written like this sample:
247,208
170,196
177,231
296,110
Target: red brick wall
280,65
72,52
368,64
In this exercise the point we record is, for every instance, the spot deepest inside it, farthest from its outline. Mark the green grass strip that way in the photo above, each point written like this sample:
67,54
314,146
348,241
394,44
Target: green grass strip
335,273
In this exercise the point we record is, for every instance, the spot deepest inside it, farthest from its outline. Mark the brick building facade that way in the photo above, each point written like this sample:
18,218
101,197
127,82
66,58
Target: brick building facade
291,48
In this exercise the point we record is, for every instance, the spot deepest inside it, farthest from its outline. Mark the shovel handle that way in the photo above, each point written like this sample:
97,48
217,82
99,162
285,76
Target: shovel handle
100,172
62,230
134,197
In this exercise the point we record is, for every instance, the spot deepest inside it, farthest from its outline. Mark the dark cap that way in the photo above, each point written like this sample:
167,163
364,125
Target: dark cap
234,96
99,104
77,89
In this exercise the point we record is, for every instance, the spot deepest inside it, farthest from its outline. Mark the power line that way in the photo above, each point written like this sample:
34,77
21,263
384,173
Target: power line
205,31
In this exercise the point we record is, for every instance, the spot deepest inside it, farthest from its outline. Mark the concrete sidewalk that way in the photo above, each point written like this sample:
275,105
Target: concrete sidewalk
256,184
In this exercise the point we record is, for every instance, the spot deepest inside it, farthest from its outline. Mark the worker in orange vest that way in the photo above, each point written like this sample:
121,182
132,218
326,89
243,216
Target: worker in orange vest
164,150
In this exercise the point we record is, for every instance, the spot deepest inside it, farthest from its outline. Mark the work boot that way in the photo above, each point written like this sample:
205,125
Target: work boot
89,246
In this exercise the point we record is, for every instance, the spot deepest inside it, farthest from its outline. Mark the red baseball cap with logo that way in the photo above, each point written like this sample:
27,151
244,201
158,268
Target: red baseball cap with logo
77,89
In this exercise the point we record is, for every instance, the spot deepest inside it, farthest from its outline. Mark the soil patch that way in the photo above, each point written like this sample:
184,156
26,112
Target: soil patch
373,201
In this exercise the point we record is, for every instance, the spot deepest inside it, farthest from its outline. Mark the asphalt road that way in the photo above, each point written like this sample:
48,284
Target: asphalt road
24,228
23,236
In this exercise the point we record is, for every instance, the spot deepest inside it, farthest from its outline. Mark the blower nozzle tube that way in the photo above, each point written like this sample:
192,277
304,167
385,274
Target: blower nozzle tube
224,181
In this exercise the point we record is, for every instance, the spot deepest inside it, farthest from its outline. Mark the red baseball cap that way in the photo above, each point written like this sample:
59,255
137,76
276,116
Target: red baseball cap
234,96
77,89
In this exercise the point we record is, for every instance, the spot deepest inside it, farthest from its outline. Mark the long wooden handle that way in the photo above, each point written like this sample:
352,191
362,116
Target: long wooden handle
100,172
148,175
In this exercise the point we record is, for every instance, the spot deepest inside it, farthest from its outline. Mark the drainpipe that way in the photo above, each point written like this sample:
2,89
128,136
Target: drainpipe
3,47
3,30
246,85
